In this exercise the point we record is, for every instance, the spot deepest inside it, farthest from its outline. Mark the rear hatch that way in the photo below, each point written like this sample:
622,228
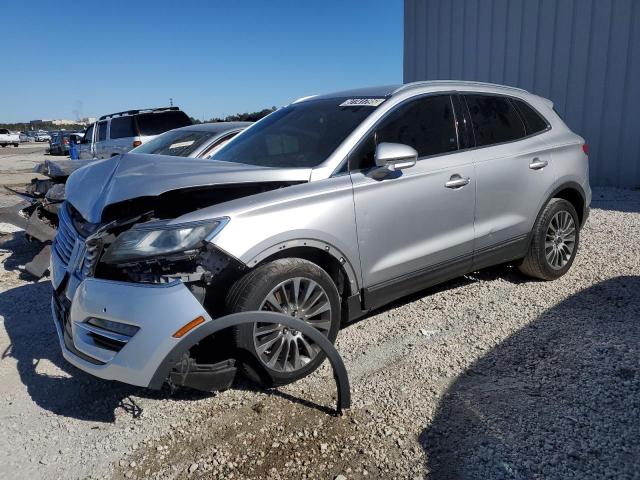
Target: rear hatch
151,124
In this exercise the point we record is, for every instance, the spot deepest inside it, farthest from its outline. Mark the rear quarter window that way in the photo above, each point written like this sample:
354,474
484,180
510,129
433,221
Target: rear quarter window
494,119
122,127
156,123
533,121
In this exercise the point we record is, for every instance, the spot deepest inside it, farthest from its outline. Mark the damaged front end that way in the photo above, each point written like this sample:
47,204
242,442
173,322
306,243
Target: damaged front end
37,213
129,275
124,288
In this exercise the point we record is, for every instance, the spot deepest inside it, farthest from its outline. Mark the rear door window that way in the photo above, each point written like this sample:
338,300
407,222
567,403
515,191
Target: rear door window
102,131
494,119
533,121
156,123
122,127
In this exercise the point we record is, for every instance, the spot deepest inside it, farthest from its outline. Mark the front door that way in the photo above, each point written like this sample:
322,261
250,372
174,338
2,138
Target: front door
415,227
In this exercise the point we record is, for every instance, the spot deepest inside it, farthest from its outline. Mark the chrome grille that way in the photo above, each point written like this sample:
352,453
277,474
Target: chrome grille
66,237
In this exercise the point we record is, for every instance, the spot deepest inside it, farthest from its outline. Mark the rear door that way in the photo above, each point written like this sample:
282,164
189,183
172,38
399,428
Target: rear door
85,148
514,171
101,145
415,227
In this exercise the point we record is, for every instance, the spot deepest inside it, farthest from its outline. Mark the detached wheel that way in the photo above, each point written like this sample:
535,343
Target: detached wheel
273,354
554,242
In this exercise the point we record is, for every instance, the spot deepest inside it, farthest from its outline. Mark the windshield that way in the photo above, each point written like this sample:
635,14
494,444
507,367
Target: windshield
300,135
180,143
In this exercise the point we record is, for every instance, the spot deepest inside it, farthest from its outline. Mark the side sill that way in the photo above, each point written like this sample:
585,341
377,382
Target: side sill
381,294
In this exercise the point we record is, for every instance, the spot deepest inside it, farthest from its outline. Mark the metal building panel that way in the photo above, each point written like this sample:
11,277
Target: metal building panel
582,54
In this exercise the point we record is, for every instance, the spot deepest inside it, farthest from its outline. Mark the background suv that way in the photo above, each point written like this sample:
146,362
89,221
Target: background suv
120,132
323,210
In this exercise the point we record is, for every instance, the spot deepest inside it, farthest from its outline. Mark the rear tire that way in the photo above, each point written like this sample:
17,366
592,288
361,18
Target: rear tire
554,242
273,355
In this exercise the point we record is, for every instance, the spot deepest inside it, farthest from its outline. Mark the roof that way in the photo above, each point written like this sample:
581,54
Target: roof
389,90
216,127
379,91
454,84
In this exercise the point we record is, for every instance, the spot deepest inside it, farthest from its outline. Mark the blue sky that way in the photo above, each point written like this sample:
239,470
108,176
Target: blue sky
212,57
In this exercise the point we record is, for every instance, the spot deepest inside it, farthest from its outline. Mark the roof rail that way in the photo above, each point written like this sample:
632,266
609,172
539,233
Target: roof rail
470,83
134,112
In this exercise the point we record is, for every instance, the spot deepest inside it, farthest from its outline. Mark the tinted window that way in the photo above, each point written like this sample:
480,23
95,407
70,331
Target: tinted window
122,127
102,131
494,119
300,135
533,121
180,143
156,123
426,124
88,134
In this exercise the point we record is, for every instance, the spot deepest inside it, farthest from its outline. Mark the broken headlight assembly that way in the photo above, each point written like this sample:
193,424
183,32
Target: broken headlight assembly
159,238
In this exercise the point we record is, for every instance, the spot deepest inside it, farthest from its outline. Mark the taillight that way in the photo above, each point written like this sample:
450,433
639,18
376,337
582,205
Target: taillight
585,148
136,143
66,142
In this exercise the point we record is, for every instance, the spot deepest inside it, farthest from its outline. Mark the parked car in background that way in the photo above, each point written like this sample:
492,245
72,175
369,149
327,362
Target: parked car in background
25,137
324,210
195,141
8,138
60,142
42,136
38,214
120,132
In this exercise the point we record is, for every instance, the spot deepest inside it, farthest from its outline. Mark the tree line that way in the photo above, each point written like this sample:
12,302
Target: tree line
237,117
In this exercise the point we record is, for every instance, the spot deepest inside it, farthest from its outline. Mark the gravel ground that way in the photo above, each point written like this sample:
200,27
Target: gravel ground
488,376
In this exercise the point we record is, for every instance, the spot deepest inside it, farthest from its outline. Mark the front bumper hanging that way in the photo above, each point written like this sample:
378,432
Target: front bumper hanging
149,356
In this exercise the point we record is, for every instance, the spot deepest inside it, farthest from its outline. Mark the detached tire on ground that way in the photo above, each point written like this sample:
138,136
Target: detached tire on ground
273,355
554,241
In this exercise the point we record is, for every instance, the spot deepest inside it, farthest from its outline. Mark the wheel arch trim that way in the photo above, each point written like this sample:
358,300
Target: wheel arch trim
320,246
200,333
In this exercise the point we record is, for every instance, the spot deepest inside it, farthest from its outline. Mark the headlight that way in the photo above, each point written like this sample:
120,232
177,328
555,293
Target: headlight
158,238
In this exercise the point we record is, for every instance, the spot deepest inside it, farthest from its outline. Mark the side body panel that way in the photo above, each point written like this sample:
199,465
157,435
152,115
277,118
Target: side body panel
509,190
318,215
411,223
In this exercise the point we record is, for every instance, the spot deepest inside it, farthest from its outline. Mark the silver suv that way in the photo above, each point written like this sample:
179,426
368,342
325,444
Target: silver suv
324,210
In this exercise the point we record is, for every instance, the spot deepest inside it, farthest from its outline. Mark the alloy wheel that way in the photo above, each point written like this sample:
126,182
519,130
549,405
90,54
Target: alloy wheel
560,240
283,349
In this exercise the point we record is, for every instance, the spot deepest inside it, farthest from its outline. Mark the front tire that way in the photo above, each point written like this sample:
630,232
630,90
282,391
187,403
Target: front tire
554,241
273,355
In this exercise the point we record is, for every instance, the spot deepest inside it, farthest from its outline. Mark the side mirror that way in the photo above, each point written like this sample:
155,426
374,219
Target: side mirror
395,156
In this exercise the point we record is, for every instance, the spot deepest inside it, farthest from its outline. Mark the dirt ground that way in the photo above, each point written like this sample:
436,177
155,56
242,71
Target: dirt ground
489,376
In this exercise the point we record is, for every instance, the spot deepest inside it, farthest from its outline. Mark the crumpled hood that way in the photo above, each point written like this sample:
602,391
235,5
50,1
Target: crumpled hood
124,177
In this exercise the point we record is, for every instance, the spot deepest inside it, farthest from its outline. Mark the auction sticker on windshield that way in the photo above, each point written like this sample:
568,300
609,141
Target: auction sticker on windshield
362,102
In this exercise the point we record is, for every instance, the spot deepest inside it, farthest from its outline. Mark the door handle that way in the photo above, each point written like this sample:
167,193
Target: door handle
537,164
456,181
